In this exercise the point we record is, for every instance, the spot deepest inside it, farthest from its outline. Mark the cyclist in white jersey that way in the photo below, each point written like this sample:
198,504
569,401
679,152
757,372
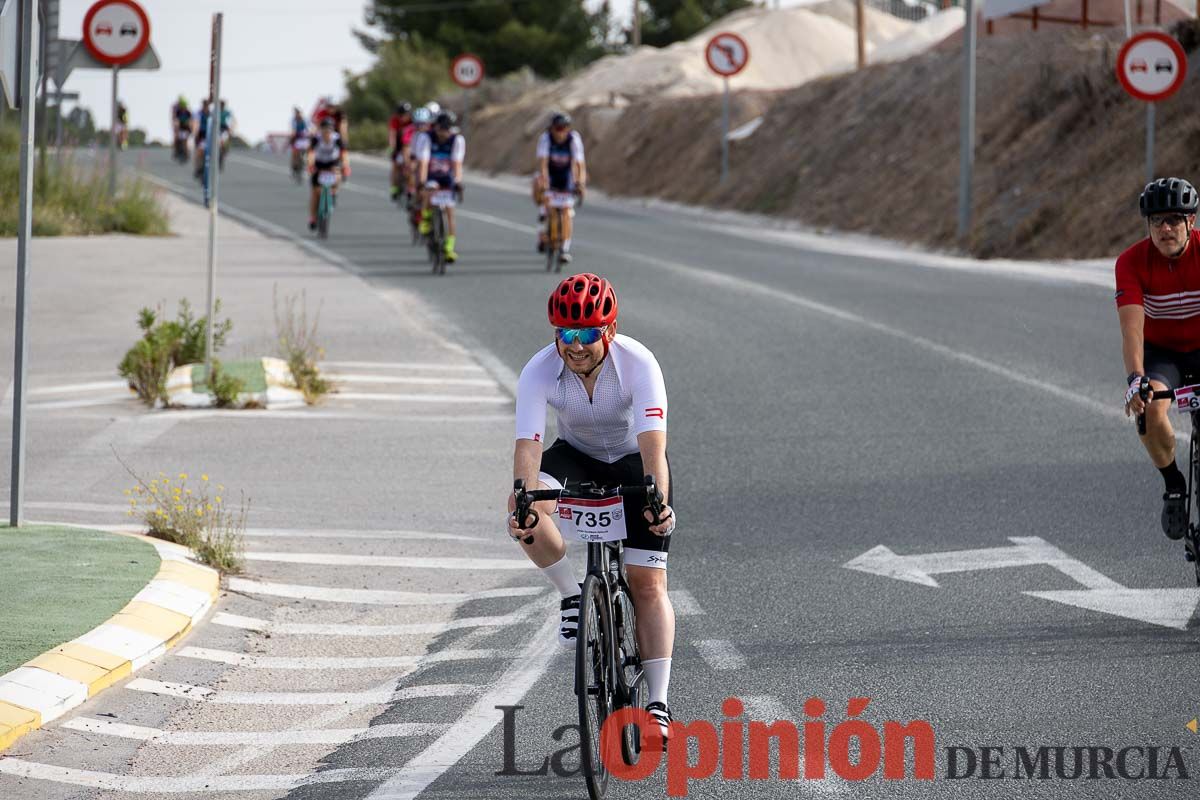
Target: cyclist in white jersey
611,404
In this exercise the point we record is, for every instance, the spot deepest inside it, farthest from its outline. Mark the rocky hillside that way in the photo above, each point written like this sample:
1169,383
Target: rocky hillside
1059,163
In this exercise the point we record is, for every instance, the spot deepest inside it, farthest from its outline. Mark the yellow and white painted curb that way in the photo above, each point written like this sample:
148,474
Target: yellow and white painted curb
281,388
157,617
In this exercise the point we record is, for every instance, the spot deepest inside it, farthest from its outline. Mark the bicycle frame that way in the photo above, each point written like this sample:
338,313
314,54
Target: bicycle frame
1191,540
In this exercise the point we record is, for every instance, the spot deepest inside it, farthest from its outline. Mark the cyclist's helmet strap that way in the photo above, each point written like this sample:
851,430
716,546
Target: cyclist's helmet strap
582,301
1168,195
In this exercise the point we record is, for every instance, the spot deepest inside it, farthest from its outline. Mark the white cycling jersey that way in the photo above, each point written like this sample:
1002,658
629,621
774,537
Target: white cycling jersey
629,398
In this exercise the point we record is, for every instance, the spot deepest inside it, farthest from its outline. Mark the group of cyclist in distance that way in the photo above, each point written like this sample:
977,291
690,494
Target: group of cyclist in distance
188,125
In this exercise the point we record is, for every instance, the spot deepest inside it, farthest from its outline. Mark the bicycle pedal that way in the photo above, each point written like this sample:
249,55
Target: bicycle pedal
1188,555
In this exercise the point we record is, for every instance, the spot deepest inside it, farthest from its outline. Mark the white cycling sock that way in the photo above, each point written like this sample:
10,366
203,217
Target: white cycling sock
562,575
566,245
658,678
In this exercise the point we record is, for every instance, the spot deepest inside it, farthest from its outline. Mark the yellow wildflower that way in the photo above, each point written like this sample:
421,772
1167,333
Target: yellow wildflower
179,508
218,498
189,491
183,476
204,477
199,513
208,507
128,492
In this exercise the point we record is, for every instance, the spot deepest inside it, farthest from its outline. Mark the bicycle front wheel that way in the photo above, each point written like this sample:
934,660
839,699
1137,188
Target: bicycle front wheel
593,686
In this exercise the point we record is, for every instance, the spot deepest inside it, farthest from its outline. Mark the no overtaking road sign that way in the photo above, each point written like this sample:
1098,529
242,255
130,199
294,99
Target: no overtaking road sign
1151,66
116,32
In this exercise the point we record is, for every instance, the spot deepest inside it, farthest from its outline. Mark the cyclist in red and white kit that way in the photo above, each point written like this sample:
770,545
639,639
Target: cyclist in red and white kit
400,134
611,404
1158,301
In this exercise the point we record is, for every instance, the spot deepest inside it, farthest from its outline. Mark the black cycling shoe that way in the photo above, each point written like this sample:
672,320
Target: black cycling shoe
660,713
1174,515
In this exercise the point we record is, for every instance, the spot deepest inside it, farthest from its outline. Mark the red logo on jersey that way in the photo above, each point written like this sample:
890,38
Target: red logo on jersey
537,437
655,412
564,513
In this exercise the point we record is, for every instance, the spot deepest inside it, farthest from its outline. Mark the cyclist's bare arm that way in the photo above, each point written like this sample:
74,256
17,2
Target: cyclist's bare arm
1133,319
581,179
458,172
527,459
544,170
422,171
653,447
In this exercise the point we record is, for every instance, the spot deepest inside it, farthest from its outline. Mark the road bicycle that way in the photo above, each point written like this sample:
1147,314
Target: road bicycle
560,208
180,152
298,148
1187,400
327,179
439,224
608,664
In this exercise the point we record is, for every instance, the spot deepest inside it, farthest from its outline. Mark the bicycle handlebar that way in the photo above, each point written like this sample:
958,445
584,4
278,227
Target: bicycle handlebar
526,498
1148,396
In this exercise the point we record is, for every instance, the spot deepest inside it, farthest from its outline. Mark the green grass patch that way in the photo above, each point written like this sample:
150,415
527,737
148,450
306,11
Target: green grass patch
60,582
250,373
70,200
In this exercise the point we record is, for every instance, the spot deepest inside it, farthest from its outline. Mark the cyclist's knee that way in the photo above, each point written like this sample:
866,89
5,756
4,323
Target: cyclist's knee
647,584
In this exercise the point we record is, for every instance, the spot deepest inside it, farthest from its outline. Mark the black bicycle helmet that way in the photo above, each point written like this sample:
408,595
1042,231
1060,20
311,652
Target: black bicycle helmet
404,108
445,121
560,120
1167,195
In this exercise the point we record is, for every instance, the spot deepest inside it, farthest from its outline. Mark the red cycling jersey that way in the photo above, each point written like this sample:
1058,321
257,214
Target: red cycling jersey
1168,289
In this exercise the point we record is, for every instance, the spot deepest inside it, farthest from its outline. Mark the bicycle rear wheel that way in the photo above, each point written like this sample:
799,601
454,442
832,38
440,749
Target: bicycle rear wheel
593,651
437,242
552,239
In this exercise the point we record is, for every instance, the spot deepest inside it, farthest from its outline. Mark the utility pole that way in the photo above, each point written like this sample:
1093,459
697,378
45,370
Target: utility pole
637,23
966,130
860,22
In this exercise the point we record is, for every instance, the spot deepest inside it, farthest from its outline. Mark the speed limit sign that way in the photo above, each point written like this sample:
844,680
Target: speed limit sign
467,70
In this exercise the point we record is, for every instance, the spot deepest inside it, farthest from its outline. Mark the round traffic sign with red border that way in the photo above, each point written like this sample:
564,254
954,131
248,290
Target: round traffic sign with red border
1151,66
727,54
116,32
467,70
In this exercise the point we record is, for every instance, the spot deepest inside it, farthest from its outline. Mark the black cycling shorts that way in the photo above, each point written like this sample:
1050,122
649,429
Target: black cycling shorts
562,463
1172,367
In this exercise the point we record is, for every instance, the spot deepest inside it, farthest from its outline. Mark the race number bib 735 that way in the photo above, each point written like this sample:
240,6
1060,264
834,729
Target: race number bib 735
592,520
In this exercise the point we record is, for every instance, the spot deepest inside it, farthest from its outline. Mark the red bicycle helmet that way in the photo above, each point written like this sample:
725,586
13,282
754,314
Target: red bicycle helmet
583,301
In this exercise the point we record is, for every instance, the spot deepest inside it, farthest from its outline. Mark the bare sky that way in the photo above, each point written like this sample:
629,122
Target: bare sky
276,54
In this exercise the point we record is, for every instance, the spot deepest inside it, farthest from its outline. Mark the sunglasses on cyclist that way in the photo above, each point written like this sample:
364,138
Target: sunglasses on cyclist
581,335
1173,220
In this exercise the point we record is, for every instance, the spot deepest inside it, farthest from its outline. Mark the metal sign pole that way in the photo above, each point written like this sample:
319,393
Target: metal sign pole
1149,142
27,88
112,138
466,109
214,171
966,130
725,133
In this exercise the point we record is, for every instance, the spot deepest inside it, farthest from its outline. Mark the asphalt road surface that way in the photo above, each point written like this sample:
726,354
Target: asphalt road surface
826,400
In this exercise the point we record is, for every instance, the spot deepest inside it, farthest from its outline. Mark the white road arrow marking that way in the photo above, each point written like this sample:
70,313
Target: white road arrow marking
1026,551
1170,608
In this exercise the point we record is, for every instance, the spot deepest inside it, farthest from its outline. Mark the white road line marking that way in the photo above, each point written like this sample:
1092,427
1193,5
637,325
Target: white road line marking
381,379
84,403
228,738
117,387
409,629
477,723
338,533
440,399
720,654
381,597
416,562
766,708
403,365
238,759
684,604
252,661
373,697
190,785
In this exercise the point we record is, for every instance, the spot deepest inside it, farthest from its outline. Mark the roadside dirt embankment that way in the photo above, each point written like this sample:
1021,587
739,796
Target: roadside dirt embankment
1059,163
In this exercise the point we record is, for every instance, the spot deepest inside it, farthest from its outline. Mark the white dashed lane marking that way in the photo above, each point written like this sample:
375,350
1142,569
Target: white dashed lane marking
383,597
222,697
318,662
334,629
413,562
720,654
336,736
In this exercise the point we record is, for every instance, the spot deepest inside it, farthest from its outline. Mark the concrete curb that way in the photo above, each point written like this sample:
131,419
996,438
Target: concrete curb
157,617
